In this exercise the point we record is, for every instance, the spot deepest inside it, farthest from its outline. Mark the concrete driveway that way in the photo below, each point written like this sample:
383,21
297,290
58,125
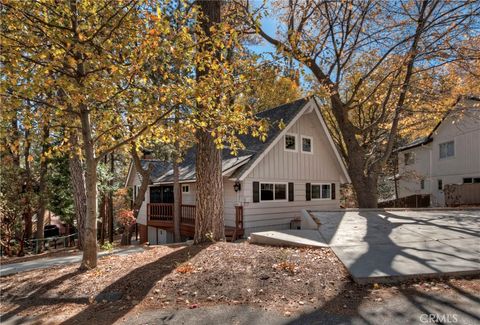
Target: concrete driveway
47,262
392,245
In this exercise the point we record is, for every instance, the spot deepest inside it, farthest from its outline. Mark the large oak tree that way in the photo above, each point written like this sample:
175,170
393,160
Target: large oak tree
368,57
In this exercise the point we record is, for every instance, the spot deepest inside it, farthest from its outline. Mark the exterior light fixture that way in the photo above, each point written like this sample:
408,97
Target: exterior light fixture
237,187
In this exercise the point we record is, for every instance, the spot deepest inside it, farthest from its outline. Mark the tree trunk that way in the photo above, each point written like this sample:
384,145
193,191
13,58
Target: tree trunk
395,172
209,219
43,185
27,214
365,187
103,217
177,206
110,201
145,174
89,260
177,192
103,211
78,185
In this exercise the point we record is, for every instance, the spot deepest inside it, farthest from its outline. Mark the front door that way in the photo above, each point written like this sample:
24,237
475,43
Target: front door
161,194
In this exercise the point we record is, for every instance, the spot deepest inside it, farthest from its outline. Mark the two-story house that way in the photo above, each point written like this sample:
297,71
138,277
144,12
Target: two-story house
265,186
450,154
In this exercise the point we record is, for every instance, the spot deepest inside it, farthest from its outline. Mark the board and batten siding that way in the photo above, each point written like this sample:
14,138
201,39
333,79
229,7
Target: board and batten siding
296,167
464,130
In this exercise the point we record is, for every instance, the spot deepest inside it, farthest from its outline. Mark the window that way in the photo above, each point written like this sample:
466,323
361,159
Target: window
447,149
422,184
185,189
306,144
409,158
273,192
290,142
440,184
321,191
280,191
470,180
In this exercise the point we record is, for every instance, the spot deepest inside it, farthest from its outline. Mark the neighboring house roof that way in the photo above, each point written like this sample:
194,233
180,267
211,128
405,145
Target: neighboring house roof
237,166
424,140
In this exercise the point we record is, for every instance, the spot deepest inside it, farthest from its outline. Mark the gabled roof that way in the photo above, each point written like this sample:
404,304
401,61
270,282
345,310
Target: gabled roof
285,113
425,140
238,166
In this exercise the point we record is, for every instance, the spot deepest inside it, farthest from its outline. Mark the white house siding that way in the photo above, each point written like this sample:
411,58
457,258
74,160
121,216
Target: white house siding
464,130
466,163
189,198
230,199
300,168
413,174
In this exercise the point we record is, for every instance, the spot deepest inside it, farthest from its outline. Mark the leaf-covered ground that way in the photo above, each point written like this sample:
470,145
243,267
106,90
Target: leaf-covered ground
283,279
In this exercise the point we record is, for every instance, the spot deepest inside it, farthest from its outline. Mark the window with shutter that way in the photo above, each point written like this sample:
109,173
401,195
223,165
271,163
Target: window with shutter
256,192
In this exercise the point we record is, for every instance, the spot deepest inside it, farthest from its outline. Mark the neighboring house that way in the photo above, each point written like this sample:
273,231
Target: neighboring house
265,186
450,154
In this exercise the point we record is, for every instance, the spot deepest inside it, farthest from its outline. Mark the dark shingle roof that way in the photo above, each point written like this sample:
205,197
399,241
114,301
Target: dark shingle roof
254,147
285,113
458,106
415,143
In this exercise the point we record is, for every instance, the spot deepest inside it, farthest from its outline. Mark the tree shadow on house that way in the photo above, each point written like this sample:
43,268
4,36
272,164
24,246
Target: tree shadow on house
381,255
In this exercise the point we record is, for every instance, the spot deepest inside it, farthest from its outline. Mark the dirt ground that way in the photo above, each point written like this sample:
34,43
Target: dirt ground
283,279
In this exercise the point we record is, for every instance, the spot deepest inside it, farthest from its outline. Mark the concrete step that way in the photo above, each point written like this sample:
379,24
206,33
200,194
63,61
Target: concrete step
295,238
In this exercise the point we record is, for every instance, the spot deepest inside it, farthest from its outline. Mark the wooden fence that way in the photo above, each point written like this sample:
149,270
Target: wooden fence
462,194
412,201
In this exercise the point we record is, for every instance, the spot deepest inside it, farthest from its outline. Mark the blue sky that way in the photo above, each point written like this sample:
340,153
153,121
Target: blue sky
264,48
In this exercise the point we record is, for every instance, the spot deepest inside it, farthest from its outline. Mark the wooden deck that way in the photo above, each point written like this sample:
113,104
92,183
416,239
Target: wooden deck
160,215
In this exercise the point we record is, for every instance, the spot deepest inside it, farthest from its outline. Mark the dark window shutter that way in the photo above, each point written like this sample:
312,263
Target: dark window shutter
308,192
256,192
333,191
290,192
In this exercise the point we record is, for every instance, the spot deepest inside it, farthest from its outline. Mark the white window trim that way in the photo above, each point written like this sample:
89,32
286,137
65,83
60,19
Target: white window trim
274,200
311,144
188,188
320,199
454,150
296,142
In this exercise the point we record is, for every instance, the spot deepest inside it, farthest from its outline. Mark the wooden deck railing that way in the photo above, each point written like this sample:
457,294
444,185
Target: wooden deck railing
160,211
187,215
161,215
